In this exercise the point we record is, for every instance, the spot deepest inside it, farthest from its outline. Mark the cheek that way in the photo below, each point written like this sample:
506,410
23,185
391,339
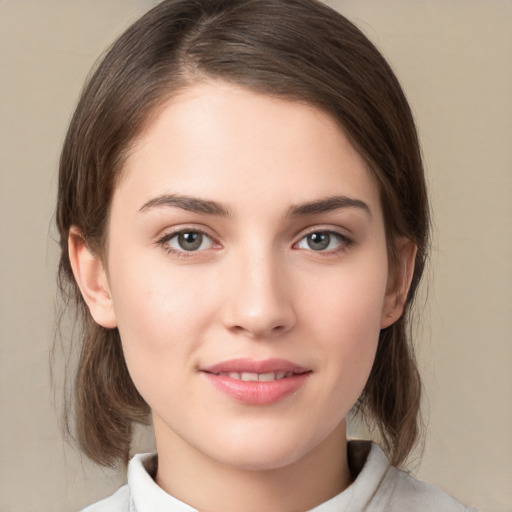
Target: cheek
351,297
158,317
352,341
348,319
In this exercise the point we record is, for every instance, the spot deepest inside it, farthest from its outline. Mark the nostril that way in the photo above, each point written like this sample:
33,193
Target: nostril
258,314
258,331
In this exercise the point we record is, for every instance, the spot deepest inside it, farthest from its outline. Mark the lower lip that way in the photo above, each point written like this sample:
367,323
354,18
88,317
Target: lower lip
258,392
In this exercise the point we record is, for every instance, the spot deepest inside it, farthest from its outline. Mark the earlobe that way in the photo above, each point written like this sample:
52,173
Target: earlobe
92,280
400,283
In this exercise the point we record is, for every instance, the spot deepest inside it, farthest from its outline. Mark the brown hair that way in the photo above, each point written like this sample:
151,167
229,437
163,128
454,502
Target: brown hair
299,50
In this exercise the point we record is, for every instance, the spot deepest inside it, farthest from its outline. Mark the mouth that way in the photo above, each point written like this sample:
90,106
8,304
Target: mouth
257,382
259,377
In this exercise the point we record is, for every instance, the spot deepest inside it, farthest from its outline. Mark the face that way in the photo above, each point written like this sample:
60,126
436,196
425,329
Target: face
248,275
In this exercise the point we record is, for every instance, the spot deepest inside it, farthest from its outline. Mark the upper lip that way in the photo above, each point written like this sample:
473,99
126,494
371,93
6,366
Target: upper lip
254,366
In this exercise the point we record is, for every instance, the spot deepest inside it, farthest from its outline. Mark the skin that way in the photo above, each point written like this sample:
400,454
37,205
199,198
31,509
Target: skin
255,288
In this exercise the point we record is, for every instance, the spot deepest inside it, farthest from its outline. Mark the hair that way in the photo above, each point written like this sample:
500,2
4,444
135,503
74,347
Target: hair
298,50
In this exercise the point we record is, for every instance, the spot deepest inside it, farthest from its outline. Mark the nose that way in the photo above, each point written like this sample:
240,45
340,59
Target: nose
258,302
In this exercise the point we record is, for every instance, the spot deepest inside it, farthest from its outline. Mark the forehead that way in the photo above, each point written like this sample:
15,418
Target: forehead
220,139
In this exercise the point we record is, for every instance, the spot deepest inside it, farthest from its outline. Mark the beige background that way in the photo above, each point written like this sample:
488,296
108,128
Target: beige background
454,59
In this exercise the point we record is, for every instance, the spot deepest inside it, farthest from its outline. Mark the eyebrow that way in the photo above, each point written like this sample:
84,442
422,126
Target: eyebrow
328,204
205,206
189,203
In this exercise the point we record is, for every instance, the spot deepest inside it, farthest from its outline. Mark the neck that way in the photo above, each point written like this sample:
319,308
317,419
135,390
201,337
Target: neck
207,484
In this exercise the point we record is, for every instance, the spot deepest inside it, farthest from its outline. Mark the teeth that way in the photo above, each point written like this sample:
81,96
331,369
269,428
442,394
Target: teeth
249,376
253,377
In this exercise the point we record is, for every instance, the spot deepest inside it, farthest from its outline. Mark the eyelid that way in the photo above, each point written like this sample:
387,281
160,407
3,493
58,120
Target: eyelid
345,240
175,231
325,228
340,233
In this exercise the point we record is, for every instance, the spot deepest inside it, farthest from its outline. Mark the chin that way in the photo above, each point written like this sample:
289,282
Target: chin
265,453
260,460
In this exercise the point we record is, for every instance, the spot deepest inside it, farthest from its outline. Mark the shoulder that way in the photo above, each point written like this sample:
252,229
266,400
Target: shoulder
140,490
411,495
380,487
117,502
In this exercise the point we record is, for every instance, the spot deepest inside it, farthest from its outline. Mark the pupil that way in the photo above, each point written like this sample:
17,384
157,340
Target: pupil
318,241
190,241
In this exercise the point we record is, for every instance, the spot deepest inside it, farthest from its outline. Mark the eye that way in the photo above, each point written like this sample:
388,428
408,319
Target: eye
323,241
186,241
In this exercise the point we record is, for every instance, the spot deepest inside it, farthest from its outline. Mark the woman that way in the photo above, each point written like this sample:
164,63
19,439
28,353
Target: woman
244,224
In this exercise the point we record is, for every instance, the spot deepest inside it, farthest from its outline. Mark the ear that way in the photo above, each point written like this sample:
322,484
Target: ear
91,279
399,282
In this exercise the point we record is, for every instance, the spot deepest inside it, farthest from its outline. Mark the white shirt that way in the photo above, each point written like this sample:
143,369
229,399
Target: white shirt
378,487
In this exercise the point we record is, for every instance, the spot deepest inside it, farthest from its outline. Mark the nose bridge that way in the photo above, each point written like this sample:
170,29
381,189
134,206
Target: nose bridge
259,299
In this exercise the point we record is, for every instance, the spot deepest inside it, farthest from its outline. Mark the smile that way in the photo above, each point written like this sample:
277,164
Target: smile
261,377
257,382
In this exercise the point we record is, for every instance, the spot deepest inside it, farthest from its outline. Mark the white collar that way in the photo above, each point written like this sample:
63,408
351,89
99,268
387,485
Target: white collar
147,496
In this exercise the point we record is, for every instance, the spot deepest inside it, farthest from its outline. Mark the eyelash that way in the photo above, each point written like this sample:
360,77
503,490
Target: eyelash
183,253
344,242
